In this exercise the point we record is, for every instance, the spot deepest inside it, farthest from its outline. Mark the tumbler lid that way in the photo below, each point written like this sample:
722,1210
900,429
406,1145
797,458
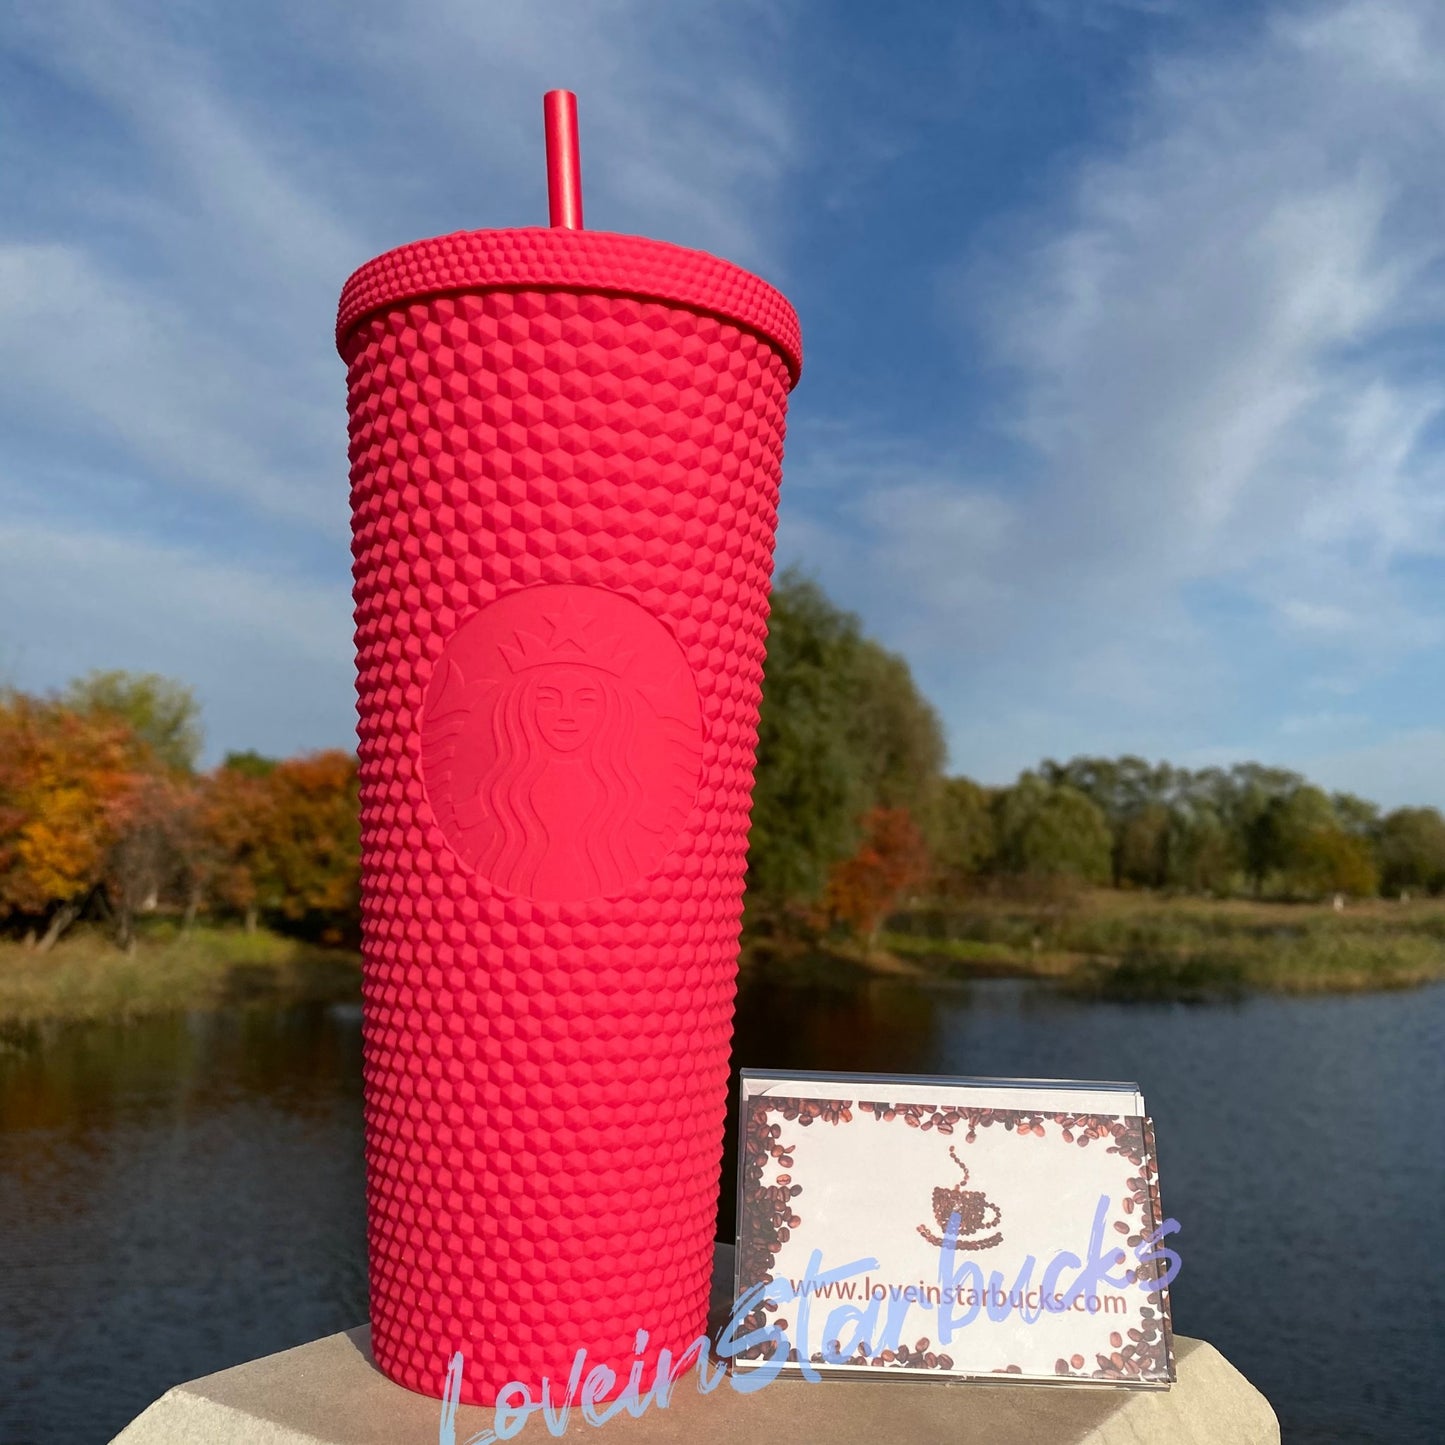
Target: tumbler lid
552,257
565,257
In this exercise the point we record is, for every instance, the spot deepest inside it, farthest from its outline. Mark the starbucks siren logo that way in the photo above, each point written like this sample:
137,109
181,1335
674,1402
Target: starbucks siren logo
562,742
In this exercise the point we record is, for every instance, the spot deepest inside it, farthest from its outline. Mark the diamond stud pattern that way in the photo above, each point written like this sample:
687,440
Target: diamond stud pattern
545,1079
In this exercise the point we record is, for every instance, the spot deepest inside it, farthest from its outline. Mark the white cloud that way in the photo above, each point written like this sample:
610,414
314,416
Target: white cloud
1316,723
87,353
1224,334
194,185
215,171
269,654
1222,350
687,132
166,296
916,544
1405,769
1206,343
167,299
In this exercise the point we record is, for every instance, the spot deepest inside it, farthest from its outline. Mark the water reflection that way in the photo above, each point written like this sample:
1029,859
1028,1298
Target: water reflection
1300,1148
184,1194
176,1197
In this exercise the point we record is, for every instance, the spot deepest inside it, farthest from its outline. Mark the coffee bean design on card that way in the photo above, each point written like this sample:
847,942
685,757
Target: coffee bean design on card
772,1204
976,1214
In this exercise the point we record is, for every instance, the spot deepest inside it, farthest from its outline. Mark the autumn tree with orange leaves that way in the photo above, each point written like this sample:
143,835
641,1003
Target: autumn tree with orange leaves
234,831
314,842
893,856
100,810
68,788
281,840
153,858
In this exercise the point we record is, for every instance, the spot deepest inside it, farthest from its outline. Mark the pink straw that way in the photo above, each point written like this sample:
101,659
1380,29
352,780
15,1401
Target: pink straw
564,159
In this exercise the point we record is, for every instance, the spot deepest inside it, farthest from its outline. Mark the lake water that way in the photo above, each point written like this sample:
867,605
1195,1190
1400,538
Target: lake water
185,1194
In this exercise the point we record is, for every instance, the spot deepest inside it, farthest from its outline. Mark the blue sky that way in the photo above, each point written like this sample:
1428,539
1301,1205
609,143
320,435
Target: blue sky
1123,414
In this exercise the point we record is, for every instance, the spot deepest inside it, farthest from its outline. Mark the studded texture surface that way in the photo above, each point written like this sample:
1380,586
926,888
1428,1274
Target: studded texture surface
536,257
545,1079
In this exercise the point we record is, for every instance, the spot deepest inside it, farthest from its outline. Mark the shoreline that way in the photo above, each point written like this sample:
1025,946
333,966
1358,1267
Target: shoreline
1109,944
85,978
1187,980
1104,946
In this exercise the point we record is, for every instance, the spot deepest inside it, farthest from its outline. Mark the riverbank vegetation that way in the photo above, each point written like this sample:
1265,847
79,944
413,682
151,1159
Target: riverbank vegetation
1140,946
1119,875
85,978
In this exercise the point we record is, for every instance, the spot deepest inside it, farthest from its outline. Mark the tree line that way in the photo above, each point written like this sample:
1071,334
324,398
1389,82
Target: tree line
853,809
104,812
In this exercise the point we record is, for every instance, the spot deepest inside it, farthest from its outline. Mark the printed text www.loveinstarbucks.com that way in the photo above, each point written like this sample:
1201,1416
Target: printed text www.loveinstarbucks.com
862,1310
932,1294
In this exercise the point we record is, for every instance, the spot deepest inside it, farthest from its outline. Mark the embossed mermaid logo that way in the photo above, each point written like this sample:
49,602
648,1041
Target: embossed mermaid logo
976,1214
561,742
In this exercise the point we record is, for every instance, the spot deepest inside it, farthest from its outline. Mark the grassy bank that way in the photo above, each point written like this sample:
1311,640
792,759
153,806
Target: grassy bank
85,977
1139,945
1103,944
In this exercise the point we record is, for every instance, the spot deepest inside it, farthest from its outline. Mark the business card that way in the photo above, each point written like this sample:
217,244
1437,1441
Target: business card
952,1227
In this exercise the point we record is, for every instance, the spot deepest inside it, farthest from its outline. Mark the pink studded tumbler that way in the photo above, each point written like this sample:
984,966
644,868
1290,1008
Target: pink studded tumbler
565,448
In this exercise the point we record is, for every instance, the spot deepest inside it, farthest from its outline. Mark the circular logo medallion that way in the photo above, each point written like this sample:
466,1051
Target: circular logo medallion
562,742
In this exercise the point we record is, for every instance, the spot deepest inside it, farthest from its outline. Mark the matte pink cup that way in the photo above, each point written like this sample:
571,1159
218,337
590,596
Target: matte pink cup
566,448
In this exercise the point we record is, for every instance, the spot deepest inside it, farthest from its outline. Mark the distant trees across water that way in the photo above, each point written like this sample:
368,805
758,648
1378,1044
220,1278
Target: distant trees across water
103,811
1247,829
853,810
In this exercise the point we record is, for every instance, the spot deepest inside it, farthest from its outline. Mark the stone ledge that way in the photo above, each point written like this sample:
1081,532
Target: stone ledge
330,1393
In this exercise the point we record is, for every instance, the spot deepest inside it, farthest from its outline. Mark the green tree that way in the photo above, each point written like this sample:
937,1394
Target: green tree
1412,850
1119,787
1136,797
250,764
1279,836
1051,831
1142,845
896,735
1204,855
164,715
1359,817
843,730
1330,860
965,844
809,789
